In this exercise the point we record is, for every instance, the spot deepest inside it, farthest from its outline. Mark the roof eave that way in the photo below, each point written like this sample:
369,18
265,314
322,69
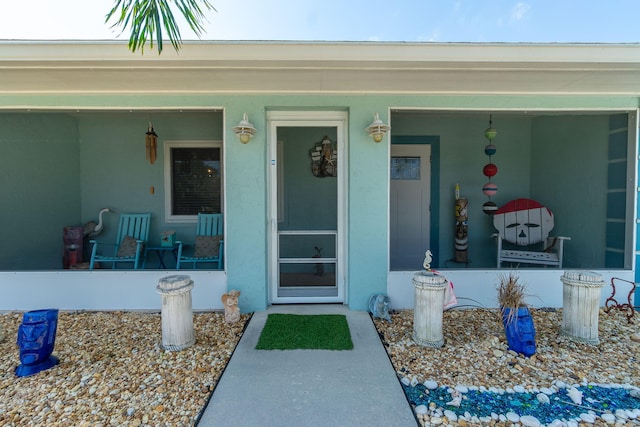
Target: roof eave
322,67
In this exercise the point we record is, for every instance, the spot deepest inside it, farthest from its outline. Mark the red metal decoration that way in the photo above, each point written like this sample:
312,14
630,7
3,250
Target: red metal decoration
611,302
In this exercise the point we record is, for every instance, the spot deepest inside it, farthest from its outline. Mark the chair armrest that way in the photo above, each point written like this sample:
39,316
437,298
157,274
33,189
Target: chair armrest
556,240
100,242
179,254
555,243
182,245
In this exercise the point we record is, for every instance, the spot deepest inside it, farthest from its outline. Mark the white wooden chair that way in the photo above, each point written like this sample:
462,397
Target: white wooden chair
524,225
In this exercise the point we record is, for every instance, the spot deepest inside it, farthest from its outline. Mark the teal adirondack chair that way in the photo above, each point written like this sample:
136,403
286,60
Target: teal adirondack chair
133,233
208,246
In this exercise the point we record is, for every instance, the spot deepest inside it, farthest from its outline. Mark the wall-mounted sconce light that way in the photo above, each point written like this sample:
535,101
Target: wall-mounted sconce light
377,129
244,129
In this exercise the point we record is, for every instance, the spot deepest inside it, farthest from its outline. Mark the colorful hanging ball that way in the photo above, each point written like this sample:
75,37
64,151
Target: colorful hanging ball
490,150
490,170
490,189
490,133
489,208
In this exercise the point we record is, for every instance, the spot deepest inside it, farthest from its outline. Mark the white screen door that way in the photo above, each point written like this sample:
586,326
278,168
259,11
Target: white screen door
306,209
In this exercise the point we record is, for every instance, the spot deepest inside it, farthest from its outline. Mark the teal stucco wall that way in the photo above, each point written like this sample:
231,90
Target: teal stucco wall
116,174
570,164
40,188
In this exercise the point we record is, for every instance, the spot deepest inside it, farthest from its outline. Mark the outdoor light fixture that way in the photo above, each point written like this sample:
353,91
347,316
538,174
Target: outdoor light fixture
377,129
244,129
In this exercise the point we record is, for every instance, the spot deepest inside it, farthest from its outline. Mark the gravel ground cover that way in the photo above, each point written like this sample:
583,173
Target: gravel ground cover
475,358
113,372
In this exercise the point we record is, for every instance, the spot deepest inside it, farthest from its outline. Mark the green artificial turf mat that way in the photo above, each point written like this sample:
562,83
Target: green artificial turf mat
307,332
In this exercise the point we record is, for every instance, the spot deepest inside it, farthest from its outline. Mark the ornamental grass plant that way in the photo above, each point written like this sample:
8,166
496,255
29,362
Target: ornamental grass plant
511,295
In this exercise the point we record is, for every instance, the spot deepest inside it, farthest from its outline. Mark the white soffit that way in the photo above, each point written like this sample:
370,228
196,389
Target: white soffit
321,67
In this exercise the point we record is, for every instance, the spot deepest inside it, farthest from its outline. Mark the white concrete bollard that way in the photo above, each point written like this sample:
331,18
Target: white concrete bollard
428,307
177,314
581,305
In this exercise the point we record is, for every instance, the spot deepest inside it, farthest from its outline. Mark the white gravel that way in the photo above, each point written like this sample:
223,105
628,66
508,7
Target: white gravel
112,372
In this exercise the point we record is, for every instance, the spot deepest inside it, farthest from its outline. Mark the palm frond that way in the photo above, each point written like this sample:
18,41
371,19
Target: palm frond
147,20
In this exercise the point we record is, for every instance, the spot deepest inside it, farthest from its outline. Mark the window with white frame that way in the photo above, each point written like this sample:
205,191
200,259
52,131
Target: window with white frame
193,179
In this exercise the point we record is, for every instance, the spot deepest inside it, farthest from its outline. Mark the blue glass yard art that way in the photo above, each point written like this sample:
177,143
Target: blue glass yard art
520,331
36,339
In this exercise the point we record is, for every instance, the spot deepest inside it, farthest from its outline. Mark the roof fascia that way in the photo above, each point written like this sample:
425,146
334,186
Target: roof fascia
81,54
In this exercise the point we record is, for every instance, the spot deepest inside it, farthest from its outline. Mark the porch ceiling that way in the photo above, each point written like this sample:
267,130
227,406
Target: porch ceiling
321,67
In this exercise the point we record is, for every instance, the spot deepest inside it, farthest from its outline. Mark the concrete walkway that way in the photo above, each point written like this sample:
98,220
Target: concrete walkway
309,387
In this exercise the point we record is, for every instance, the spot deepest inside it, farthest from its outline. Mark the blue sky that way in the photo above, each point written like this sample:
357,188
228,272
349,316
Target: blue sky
352,20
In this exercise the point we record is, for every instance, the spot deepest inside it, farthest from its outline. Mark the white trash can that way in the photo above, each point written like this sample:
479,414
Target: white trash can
581,305
177,313
428,307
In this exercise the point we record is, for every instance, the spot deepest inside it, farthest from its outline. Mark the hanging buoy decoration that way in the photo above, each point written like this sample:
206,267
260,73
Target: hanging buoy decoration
489,208
490,189
489,149
490,132
490,170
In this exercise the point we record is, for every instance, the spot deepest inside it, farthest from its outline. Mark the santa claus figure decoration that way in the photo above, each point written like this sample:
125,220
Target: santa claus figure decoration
523,222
